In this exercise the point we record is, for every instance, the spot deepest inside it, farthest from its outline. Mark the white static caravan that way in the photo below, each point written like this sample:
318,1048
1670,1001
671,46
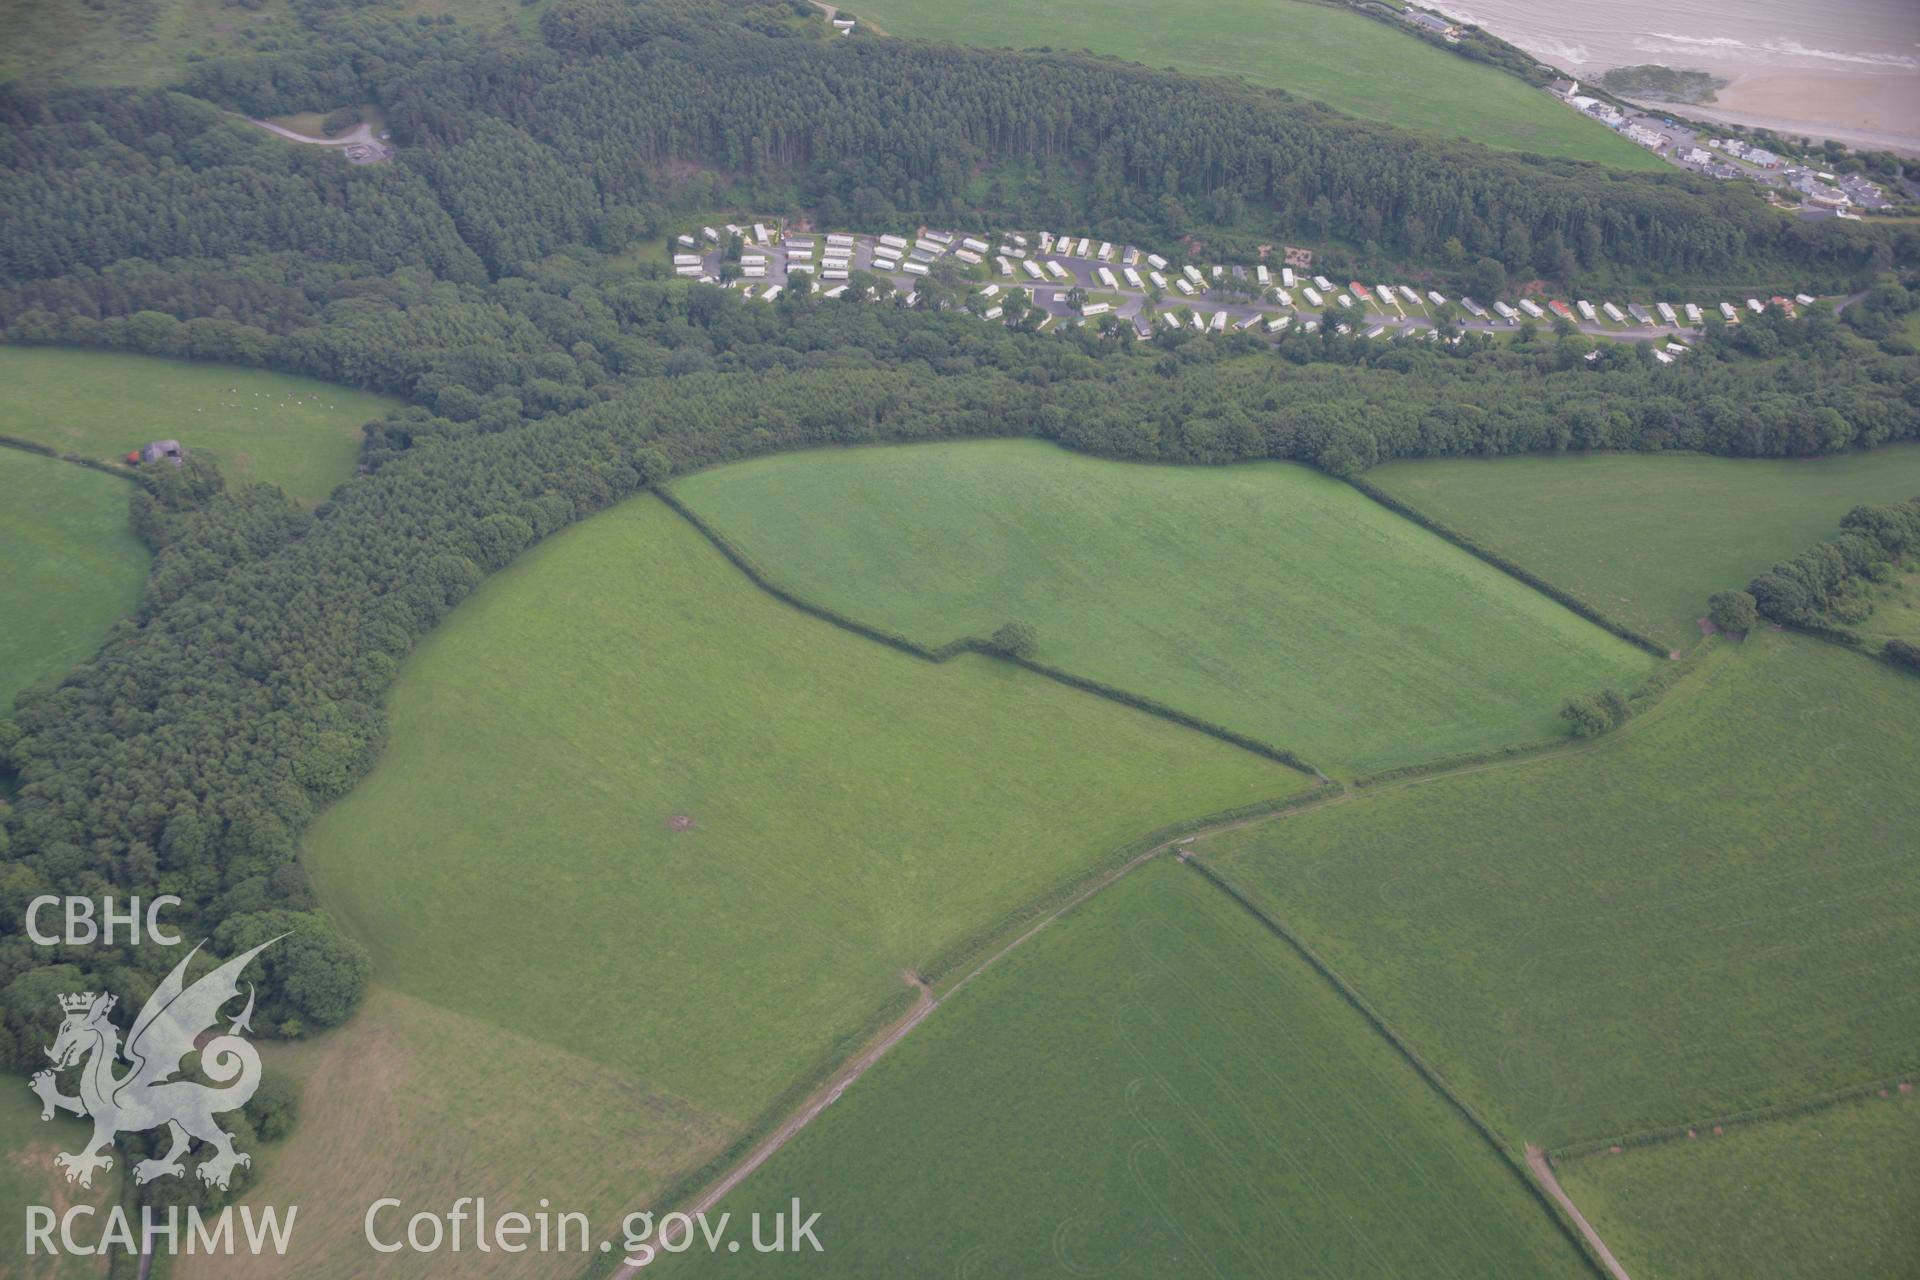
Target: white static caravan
1198,323
1323,284
1313,297
1376,331
885,264
1474,308
1613,313
1678,348
1278,324
1384,292
940,237
836,264
686,242
1727,312
1105,253
1083,248
1260,274
1504,311
1437,298
894,242
1286,299
799,266
1058,272
990,291
915,268
1247,323
833,273
975,243
1095,309
1131,258
1410,295
773,291
1032,269
993,313
1170,320
835,292
686,259
760,233
969,257
1755,305
1019,240
1586,310
1532,308
841,239
1663,357
932,248
1157,262
1219,324
1217,272
1804,299
1133,278
1311,326
1192,273
1185,286
1046,241
711,233
1346,300
1159,281
1005,264
1666,312
1106,277
689,272
1286,277
802,248
1693,313
753,273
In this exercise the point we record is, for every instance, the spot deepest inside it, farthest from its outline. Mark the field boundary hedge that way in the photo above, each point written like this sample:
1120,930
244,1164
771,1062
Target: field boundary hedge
1753,1115
1109,867
48,451
776,1112
1509,567
974,644
1420,1065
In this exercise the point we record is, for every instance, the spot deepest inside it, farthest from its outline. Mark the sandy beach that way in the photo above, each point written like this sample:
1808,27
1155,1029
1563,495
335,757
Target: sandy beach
1845,69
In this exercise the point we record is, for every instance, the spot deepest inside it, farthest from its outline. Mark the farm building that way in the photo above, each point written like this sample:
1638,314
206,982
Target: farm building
158,451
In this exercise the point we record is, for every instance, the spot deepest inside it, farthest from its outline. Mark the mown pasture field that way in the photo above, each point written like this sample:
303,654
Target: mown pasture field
28,1176
1709,910
636,809
1268,598
1647,538
1155,1086
1311,50
410,1099
71,42
1822,1196
298,433
72,563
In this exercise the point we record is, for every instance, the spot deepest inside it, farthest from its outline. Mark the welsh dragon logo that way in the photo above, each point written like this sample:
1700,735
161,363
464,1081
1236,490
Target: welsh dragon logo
146,1097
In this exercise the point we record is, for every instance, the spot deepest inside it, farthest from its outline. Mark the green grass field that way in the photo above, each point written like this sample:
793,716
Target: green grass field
72,563
70,42
1646,539
1826,1196
28,1145
1268,598
1709,910
1311,50
851,813
298,433
1156,1086
411,1100
1896,609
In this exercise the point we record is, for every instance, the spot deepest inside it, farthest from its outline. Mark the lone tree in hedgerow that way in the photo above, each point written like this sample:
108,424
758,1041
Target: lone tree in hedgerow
1015,639
1732,611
